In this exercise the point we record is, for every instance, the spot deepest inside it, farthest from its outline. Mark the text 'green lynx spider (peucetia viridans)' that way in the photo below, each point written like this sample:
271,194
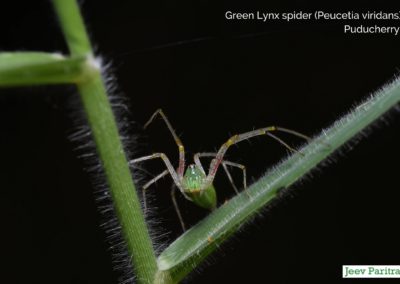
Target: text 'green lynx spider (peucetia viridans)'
194,183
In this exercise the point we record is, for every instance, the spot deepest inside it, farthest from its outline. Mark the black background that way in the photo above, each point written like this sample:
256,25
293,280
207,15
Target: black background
213,78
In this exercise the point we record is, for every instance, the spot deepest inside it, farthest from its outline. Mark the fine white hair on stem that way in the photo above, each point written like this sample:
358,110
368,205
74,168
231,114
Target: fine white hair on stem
81,137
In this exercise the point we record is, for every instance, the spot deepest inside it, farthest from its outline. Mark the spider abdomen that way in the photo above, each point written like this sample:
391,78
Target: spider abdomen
206,198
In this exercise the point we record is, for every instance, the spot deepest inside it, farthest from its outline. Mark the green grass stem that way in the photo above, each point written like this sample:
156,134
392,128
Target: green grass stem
110,149
38,68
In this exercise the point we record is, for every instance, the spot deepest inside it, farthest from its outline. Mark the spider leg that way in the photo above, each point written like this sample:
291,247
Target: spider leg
178,212
167,163
150,182
295,133
240,166
196,159
228,174
181,167
224,165
215,163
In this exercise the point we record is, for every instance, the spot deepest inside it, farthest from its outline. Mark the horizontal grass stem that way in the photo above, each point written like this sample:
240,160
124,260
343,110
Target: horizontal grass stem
40,68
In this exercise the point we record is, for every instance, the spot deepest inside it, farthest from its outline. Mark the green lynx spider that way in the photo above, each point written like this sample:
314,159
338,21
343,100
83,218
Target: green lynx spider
195,184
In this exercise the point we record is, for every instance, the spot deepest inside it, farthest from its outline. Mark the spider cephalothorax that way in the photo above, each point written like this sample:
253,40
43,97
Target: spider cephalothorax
195,183
197,189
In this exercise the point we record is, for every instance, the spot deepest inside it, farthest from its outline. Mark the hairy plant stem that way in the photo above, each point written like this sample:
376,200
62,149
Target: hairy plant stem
110,149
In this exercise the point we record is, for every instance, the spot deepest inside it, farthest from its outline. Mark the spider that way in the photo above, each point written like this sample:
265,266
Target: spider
195,183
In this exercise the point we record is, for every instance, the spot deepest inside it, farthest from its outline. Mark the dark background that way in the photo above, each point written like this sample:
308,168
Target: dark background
212,78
